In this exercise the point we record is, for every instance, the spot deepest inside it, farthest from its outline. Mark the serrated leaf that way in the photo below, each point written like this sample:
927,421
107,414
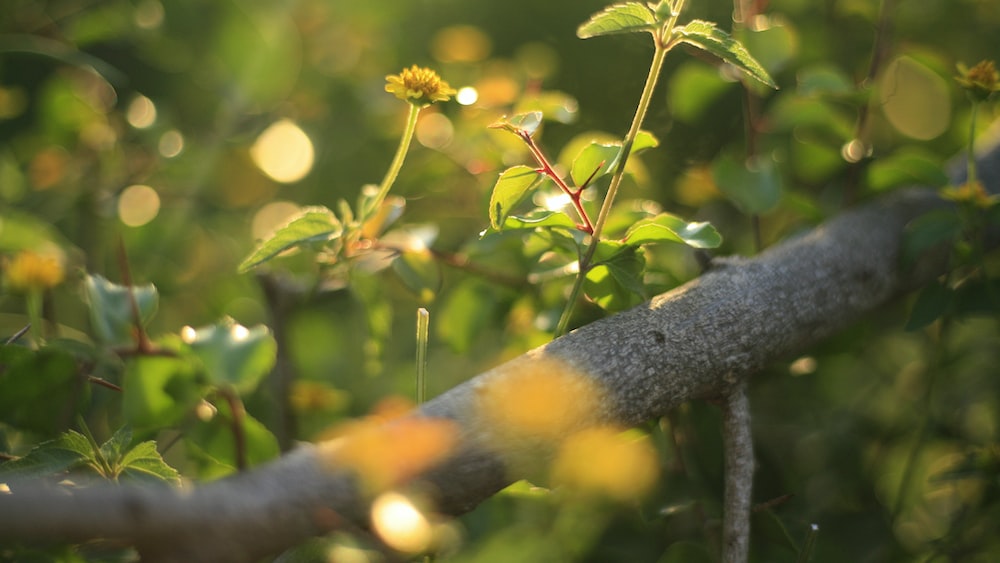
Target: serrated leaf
110,305
670,228
753,185
594,161
310,225
68,451
509,190
144,463
116,446
708,37
629,17
233,354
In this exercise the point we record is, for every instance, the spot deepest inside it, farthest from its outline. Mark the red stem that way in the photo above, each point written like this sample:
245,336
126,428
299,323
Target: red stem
546,168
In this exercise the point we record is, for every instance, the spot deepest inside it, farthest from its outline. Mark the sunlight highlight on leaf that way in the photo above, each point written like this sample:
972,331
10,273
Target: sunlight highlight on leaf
629,17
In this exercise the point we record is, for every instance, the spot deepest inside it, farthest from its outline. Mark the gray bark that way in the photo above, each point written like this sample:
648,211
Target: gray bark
699,341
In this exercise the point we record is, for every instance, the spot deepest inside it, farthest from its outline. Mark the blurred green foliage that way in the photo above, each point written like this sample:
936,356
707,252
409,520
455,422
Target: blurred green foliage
887,440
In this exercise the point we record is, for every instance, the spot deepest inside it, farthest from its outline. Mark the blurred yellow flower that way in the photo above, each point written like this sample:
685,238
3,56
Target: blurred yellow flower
537,402
981,81
970,192
606,462
387,448
30,271
419,86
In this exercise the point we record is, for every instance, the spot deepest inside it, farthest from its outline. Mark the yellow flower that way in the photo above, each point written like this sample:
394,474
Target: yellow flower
419,86
30,271
603,461
981,81
970,192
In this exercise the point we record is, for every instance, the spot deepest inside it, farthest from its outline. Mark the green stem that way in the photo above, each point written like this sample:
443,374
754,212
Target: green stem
423,323
970,162
640,115
397,163
34,305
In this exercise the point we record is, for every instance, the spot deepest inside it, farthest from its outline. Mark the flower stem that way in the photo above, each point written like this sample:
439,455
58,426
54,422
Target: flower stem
397,163
970,162
640,115
34,300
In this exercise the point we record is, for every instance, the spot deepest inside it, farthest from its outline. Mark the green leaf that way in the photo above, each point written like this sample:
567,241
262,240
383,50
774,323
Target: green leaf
907,167
110,304
537,219
753,185
615,280
509,190
33,383
310,225
706,36
470,310
692,90
69,451
520,123
933,301
159,390
144,463
420,272
670,228
233,354
644,140
629,17
928,231
213,445
594,161
116,446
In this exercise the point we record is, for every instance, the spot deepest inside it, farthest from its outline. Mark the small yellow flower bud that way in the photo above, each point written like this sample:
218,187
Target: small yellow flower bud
981,81
419,86
29,271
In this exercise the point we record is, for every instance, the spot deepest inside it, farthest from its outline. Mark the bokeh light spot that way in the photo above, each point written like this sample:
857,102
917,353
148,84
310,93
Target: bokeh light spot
148,14
435,131
914,99
171,143
271,217
467,96
283,152
461,44
138,205
141,112
400,523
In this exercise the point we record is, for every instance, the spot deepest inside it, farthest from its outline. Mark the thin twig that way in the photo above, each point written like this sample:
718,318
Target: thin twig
738,444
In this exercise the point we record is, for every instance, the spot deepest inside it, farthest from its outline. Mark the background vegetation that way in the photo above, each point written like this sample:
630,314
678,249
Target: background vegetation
145,125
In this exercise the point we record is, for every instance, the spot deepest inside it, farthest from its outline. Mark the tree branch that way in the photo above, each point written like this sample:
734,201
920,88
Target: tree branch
698,341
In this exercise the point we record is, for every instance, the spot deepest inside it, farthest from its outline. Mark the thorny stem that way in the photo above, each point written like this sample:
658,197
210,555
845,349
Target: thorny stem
397,163
546,168
662,48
